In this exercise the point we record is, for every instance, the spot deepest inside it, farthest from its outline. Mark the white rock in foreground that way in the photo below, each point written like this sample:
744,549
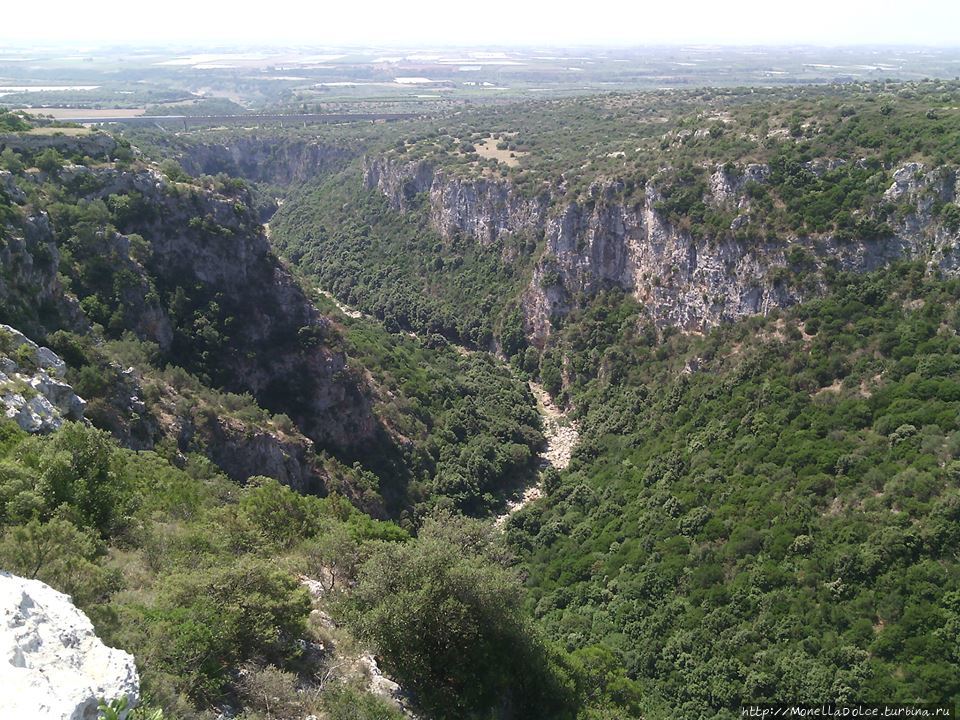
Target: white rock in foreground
52,665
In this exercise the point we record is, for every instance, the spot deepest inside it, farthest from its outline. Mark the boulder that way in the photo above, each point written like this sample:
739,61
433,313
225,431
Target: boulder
52,664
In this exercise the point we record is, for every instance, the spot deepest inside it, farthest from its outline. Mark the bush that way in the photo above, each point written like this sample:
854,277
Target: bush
50,161
448,625
207,621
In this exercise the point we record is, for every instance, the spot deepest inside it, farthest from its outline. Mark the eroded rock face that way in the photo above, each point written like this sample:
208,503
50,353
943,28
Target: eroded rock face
32,390
29,283
213,245
482,209
264,158
683,281
53,666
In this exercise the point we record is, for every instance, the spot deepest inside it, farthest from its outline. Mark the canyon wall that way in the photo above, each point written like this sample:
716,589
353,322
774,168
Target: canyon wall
682,279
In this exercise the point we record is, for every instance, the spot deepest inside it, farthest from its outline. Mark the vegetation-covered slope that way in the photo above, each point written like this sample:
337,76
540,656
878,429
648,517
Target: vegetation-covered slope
765,511
396,266
160,293
769,511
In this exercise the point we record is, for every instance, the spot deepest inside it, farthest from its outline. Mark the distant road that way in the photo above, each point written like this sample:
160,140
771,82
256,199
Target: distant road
195,120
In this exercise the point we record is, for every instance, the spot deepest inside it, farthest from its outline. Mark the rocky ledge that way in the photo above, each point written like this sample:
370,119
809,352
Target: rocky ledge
53,666
32,390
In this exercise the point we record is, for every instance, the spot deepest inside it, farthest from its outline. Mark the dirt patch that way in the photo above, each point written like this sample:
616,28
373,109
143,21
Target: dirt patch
488,149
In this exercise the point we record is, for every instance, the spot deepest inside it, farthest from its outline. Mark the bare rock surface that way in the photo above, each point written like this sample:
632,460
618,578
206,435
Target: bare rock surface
32,390
561,435
684,280
53,666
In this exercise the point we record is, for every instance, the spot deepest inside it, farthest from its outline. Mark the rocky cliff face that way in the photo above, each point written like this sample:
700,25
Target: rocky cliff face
264,158
32,391
212,250
29,286
190,270
54,667
481,209
682,280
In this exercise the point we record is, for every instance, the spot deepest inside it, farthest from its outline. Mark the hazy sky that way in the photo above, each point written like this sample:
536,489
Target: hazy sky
491,22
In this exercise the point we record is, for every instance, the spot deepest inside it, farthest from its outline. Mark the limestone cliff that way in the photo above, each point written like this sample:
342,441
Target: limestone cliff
482,209
251,327
32,390
682,279
29,286
262,158
188,268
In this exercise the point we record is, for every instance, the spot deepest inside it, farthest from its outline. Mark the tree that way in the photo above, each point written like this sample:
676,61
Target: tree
283,515
207,621
82,470
174,172
50,161
448,624
61,555
9,160
513,338
333,557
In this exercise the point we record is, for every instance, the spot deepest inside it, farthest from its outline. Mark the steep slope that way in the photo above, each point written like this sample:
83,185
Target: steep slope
274,158
110,251
705,207
644,244
765,511
750,309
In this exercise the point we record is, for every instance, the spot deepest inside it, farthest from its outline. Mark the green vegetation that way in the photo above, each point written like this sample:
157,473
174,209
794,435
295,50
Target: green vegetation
447,619
395,266
197,577
12,122
768,511
471,429
632,136
191,573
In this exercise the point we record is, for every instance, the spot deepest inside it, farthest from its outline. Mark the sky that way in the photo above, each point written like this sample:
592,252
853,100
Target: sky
489,23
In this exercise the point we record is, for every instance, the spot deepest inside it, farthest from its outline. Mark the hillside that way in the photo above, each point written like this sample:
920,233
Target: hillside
751,314
768,510
622,406
187,420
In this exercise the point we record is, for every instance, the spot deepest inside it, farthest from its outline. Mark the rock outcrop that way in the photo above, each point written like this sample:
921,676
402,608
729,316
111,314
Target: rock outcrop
683,280
185,266
482,209
263,158
54,667
350,666
95,144
29,286
32,390
243,451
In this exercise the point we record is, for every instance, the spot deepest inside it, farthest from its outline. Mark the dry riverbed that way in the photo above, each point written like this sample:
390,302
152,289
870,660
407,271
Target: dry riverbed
561,435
